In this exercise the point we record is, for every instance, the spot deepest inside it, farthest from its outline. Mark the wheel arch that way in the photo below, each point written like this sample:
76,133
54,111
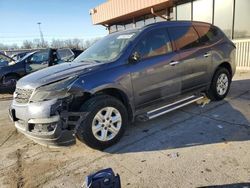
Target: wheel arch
121,96
227,66
211,92
10,74
117,93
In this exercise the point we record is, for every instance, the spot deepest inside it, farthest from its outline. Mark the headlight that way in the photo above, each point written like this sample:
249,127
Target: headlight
54,90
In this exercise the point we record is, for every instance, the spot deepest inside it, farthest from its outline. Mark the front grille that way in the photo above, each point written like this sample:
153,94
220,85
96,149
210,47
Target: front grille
22,95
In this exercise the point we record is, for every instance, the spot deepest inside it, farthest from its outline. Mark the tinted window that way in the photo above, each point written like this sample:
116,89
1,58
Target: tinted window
207,34
154,43
40,57
184,37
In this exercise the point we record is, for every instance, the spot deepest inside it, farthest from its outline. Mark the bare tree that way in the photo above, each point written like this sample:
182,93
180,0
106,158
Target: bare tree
77,43
8,47
73,43
27,44
38,44
89,42
55,43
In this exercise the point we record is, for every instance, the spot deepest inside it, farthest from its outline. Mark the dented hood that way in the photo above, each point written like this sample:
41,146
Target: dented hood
55,73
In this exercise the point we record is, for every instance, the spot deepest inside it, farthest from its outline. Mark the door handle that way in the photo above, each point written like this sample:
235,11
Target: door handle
206,54
173,63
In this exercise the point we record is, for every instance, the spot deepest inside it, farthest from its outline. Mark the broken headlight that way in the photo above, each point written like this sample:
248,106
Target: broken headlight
55,90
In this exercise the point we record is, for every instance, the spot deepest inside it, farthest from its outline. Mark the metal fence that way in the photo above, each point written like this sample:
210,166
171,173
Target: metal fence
242,53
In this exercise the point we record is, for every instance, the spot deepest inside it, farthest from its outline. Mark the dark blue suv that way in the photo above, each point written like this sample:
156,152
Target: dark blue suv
134,74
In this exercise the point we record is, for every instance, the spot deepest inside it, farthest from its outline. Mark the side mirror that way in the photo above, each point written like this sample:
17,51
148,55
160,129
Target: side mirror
135,57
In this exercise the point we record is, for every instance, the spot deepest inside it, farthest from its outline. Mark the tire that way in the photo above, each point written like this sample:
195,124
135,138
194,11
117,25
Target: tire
102,104
9,82
220,85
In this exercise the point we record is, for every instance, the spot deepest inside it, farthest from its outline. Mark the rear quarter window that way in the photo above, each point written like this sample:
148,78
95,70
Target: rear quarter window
207,33
184,37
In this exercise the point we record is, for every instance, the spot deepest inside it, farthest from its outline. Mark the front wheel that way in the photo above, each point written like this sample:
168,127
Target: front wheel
105,122
220,85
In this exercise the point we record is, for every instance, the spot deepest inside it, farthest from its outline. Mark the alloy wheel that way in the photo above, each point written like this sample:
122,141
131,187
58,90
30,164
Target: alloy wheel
222,84
106,124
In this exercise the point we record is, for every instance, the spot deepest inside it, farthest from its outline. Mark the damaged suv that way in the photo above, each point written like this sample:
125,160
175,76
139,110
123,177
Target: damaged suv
134,74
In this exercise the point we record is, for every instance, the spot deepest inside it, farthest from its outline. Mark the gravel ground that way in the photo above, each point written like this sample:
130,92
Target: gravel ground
4,95
192,147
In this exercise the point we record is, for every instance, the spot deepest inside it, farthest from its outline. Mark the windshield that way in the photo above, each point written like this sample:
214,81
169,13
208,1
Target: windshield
108,48
5,61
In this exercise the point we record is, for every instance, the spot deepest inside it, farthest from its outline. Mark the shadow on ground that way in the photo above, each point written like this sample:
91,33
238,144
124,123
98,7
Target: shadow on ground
6,93
7,90
218,122
235,185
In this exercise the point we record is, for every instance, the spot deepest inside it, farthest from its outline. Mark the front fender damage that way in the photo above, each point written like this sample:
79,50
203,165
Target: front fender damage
53,123
73,120
70,118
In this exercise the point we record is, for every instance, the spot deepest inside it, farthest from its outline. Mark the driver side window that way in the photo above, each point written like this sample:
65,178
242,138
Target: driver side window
154,43
37,61
39,57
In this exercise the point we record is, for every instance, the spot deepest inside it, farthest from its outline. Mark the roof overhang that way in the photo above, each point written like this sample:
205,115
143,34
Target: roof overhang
114,11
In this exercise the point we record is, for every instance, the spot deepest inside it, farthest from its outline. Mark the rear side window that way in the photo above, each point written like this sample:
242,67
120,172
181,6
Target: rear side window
154,43
184,37
207,34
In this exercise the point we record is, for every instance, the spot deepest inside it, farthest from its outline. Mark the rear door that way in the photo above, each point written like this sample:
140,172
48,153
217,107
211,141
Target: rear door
195,58
155,77
38,60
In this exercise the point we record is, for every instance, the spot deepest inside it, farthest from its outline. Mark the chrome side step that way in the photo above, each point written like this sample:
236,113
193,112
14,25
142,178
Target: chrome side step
170,107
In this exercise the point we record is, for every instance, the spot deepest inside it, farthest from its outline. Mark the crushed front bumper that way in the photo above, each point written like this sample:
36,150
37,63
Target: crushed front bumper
44,123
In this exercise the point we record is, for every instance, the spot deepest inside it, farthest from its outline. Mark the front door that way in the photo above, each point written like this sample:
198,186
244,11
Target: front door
37,61
156,75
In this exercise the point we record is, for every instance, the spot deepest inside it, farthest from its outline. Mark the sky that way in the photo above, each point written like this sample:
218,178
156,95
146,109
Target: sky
61,19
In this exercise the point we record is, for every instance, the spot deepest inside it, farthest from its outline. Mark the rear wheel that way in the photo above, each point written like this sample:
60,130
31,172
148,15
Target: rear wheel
105,122
220,85
9,82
